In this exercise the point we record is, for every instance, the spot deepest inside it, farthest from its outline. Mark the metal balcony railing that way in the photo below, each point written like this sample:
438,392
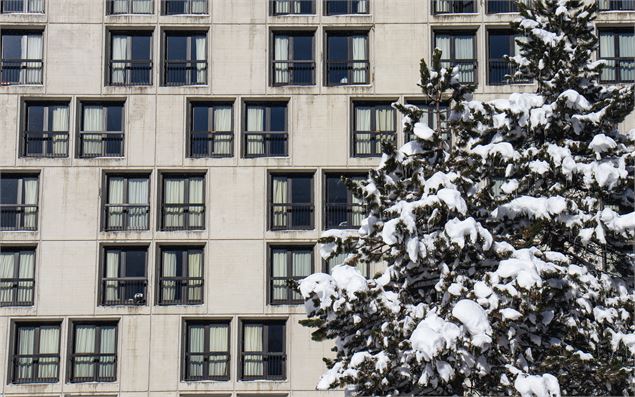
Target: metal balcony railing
347,72
618,70
207,366
22,6
344,216
127,291
183,216
93,367
36,368
281,293
211,144
501,6
101,144
121,217
181,290
498,71
123,7
270,366
129,72
292,7
21,71
293,72
290,216
453,6
16,291
183,7
467,69
616,5
185,73
369,143
266,144
344,7
46,143
18,217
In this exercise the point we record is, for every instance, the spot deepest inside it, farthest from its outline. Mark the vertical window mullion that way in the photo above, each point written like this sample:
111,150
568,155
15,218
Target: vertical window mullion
97,351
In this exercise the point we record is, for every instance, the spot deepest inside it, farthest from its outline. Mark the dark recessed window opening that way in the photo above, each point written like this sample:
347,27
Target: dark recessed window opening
124,278
36,353
18,202
342,209
22,58
266,133
185,59
263,350
102,130
291,202
373,124
181,278
17,276
211,129
293,60
347,59
130,58
127,205
46,129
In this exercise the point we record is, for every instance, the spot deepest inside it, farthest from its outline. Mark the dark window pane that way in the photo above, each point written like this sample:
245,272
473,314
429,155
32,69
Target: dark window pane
176,47
11,46
35,118
303,48
499,45
8,190
200,115
334,7
301,191
278,117
114,118
141,47
135,263
337,48
276,338
336,190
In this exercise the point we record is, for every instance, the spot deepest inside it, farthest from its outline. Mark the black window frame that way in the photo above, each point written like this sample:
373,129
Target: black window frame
16,280
617,59
106,136
14,356
269,137
457,7
126,206
186,203
268,357
186,4
72,356
110,9
288,250
24,6
290,206
19,208
349,60
292,3
383,136
130,66
182,281
134,282
350,5
210,135
493,7
45,136
452,60
349,199
190,65
206,324
292,63
10,65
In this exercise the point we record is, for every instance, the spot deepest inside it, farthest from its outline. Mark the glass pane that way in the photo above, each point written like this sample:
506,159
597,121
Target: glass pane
135,263
337,48
115,113
276,338
336,191
301,189
35,118
8,190
12,46
140,47
176,47
303,48
200,118
499,44
278,117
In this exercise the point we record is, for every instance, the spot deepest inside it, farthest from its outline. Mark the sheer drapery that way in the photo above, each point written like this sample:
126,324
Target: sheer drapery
385,122
359,54
443,6
26,272
120,6
626,41
195,270
35,6
196,345
120,49
49,344
111,287
607,50
174,194
168,287
253,363
279,269
84,344
280,194
358,213
442,42
31,49
199,6
7,271
201,55
218,338
26,344
301,267
464,48
255,123
93,128
196,197
30,199
362,7
142,6
363,144
115,196
282,6
59,116
281,45
138,195
108,349
223,123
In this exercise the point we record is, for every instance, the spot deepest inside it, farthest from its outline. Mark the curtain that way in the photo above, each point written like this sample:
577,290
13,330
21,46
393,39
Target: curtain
281,72
30,199
111,287
174,194
142,6
253,364
464,48
255,123
442,42
385,122
93,128
26,342
120,49
115,196
199,6
282,7
603,4
84,344
138,196
359,54
195,270
196,345
222,123
59,116
31,49
218,338
443,6
201,55
363,143
7,271
358,213
120,6
301,267
362,6
168,287
197,212
35,6
108,350
49,344
279,286
607,50
280,188
26,273
626,41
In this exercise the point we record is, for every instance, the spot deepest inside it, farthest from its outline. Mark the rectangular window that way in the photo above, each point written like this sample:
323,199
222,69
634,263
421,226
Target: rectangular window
45,129
122,7
342,210
616,5
293,60
211,129
22,58
206,350
453,6
130,58
17,276
183,7
344,7
293,7
263,350
36,353
503,6
183,202
18,201
22,6
101,130
127,205
181,276
617,49
362,268
266,133
288,263
501,43
291,202
373,123
93,352
124,277
347,58
185,58
429,116
459,49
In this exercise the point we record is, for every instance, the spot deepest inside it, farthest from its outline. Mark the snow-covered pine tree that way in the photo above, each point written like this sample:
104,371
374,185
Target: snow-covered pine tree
488,293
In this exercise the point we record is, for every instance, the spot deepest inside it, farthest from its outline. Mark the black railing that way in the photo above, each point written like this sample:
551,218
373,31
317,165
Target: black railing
292,7
501,6
21,71
129,72
281,293
271,366
128,291
120,217
616,5
93,367
211,144
293,72
22,6
618,70
343,7
36,368
181,7
344,216
467,69
18,216
266,144
46,143
369,143
16,291
122,7
501,72
180,290
453,6
185,73
347,72
206,366
101,144
289,216
183,217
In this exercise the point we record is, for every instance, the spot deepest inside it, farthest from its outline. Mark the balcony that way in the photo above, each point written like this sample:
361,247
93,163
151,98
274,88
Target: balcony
266,144
344,216
22,6
128,72
16,291
347,72
21,71
101,144
269,366
129,7
178,73
93,367
126,217
18,217
183,7
499,69
369,144
124,291
45,144
616,5
291,216
211,144
36,368
291,7
618,70
183,216
293,72
440,7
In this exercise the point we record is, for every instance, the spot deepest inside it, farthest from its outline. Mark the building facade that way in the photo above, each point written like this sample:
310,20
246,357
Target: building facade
167,165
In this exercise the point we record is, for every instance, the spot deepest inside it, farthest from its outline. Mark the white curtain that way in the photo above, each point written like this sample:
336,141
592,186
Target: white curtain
281,74
59,115
442,42
222,123
26,272
279,269
196,345
334,261
359,54
255,123
626,41
7,271
196,216
138,195
26,343
363,143
253,364
195,270
362,7
168,287
107,346
174,194
201,55
142,6
603,4
92,131
120,48
35,6
301,267
115,196
199,6
111,288
30,199
444,6
385,122
283,6
280,189
84,343
218,338
120,6
607,50
358,212
49,344
464,48
31,49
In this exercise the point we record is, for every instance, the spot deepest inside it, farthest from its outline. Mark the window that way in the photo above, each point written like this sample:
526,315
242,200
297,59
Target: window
429,116
45,129
185,59
130,58
102,129
22,6
263,350
503,6
293,62
291,205
373,123
362,268
347,58
122,7
36,353
616,5
266,131
17,276
459,49
286,7
22,60
343,7
206,350
127,205
179,7
288,263
211,129
183,206
181,277
617,49
123,279
18,201
342,210
454,6
501,43
94,352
